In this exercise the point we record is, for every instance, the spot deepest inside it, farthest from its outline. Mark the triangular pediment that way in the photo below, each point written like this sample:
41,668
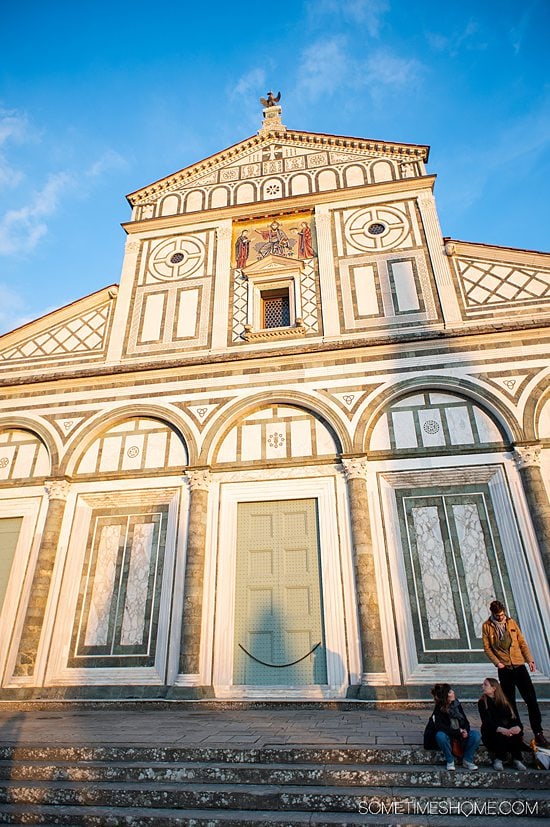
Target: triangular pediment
77,331
270,154
271,264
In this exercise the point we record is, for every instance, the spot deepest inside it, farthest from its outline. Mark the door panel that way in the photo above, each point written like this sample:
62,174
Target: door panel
9,534
278,613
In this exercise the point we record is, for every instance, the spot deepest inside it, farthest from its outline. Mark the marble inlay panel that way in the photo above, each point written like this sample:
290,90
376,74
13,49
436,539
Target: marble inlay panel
477,572
97,628
442,620
138,585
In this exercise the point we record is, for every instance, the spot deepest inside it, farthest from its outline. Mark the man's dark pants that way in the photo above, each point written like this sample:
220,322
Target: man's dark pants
519,677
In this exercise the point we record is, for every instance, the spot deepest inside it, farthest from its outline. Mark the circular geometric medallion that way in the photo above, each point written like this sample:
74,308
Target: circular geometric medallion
177,258
3,462
133,451
376,228
431,426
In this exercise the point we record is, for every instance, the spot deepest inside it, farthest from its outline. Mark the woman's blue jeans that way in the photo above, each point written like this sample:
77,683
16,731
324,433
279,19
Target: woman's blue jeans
471,743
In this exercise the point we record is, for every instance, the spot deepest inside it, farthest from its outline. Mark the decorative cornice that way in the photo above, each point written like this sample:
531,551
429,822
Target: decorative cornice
269,334
401,152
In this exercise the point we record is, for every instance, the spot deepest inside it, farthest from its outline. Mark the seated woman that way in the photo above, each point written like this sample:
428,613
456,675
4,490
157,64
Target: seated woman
501,731
449,723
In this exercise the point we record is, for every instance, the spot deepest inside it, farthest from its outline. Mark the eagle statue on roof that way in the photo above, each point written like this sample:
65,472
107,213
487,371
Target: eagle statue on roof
271,100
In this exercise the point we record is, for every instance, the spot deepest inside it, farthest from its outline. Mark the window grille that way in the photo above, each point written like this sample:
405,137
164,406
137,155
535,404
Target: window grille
275,308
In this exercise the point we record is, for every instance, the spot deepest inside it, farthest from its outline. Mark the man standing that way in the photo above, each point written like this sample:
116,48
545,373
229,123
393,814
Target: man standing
505,646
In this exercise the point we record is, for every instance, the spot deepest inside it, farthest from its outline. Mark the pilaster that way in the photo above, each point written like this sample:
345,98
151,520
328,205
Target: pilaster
442,272
327,277
221,287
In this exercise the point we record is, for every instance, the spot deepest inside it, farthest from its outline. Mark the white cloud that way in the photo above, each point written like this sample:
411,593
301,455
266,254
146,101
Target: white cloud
324,67
11,309
387,71
14,126
368,13
467,38
250,84
105,163
327,66
21,229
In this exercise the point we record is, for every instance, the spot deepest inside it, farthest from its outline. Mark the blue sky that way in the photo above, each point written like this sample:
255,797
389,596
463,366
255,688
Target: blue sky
99,99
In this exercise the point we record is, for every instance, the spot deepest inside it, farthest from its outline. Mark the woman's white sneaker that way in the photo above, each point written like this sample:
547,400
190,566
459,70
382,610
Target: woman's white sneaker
468,765
498,765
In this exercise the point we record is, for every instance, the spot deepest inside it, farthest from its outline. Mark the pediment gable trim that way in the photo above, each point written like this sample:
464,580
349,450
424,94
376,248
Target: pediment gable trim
343,148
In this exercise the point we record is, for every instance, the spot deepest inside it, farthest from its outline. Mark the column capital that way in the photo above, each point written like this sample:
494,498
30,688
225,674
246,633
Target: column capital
527,456
355,468
223,233
199,479
57,489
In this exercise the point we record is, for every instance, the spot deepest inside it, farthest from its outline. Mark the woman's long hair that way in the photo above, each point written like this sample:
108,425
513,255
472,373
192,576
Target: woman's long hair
440,693
500,698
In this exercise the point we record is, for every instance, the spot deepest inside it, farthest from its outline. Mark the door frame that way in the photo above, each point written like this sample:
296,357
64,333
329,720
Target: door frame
522,558
322,489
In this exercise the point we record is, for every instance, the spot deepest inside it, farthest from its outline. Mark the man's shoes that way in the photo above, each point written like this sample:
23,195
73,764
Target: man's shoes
541,741
518,765
451,765
498,765
468,765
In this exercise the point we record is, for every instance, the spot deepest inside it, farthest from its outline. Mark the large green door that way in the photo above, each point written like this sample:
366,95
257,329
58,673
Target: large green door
9,534
278,612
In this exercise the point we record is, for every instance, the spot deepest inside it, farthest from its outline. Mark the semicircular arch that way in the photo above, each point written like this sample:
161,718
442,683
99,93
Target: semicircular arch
171,417
235,412
536,404
41,431
509,427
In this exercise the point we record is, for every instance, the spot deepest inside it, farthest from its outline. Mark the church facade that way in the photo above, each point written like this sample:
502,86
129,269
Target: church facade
293,455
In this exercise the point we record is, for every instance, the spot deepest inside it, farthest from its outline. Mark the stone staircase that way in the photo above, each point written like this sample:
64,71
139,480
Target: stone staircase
213,787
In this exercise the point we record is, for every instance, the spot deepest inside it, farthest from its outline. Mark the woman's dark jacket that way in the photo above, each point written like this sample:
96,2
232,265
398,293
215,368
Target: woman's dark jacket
492,716
449,721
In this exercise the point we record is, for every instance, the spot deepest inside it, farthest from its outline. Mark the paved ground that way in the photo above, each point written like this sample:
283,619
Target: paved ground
183,726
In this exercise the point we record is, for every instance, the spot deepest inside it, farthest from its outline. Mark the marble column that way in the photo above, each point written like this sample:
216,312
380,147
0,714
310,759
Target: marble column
57,491
527,458
199,484
355,471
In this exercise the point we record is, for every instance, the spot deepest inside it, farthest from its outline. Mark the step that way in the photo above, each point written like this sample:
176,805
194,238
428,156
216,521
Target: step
371,775
251,797
134,817
273,754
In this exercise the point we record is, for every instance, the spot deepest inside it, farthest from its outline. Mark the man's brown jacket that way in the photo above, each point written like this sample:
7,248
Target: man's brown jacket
517,655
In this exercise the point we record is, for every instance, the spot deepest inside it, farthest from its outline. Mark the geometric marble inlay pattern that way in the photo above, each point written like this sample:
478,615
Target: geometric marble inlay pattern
22,455
276,433
83,333
308,293
455,567
492,283
438,597
117,612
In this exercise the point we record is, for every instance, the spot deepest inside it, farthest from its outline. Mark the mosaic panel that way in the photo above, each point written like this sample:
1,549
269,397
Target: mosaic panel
455,566
119,598
287,237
